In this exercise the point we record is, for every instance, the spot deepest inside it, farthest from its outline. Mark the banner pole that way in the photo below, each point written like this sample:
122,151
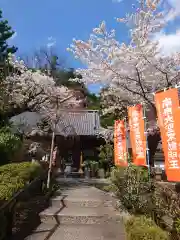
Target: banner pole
127,153
145,132
115,137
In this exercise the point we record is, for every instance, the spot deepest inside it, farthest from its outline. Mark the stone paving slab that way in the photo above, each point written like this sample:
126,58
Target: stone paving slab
42,232
67,180
89,232
49,215
76,221
83,195
83,180
78,198
82,211
80,215
95,180
77,201
84,192
49,211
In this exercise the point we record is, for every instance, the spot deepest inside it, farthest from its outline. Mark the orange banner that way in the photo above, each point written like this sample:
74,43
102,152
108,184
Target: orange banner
137,135
167,104
120,151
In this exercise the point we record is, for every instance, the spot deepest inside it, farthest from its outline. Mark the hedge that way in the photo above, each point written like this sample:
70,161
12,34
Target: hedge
140,194
143,228
14,177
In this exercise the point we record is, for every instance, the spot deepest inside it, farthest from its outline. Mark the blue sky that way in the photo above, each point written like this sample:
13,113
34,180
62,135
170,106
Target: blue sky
36,20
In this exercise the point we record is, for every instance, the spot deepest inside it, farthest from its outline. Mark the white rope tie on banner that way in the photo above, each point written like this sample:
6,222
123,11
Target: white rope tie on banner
177,86
125,124
145,133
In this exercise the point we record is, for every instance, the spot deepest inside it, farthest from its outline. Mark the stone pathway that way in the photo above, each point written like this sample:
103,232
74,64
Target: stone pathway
80,212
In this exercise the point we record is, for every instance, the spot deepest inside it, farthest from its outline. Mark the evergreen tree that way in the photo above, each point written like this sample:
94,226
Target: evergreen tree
6,32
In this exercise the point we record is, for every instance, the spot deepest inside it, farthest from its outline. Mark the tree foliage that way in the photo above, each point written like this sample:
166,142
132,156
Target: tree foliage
132,71
6,33
28,90
10,143
143,228
106,155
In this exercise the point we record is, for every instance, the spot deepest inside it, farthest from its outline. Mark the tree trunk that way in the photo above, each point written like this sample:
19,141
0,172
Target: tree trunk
50,162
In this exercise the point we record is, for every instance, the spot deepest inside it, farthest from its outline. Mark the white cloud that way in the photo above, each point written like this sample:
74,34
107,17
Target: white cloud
175,3
175,11
14,36
169,43
51,42
117,1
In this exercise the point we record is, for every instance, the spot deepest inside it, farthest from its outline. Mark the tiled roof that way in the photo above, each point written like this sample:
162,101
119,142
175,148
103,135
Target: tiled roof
81,122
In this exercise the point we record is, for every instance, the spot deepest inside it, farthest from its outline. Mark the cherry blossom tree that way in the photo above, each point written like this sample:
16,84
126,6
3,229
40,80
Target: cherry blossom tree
29,90
133,71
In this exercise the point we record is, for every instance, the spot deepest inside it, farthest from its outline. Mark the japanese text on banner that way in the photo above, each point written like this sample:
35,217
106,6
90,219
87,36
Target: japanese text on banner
167,104
120,144
136,128
137,136
168,120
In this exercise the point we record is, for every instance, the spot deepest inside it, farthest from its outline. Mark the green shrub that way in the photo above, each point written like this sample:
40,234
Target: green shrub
10,143
117,177
106,156
13,177
110,188
167,208
177,225
134,188
93,166
142,228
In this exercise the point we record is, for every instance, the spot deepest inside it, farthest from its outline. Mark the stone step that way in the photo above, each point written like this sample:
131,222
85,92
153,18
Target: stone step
79,215
106,231
42,232
74,201
104,181
49,215
83,192
75,175
69,180
89,232
80,192
89,181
